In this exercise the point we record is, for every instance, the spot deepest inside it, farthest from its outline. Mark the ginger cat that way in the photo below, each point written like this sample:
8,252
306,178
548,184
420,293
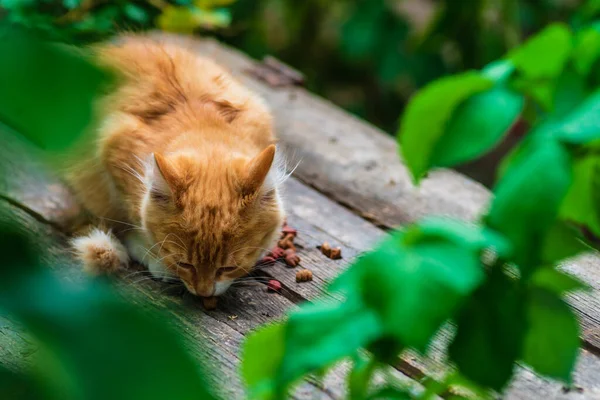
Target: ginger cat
182,172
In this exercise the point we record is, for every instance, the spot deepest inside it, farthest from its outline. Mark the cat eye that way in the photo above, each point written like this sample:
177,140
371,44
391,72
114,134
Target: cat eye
225,270
185,265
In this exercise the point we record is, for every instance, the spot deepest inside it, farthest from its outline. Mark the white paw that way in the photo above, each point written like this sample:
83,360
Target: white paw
138,247
100,252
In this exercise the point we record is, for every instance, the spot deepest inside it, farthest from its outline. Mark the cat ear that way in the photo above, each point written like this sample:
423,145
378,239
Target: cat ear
257,170
165,181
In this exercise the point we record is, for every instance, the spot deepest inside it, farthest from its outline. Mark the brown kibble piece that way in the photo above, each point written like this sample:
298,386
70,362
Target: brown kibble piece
336,253
274,285
210,303
325,249
277,252
292,259
287,242
287,230
304,275
328,251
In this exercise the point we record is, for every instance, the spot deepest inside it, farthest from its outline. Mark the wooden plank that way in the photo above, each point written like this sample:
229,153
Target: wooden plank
358,166
212,337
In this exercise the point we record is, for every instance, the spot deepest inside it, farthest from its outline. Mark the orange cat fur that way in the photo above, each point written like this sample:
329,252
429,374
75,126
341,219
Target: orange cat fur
182,170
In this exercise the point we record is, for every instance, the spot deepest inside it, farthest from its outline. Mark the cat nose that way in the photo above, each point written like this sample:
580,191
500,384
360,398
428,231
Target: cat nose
206,290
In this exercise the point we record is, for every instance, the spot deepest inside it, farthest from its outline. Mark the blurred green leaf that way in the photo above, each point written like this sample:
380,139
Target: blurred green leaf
136,13
360,377
582,125
556,281
552,340
490,329
47,91
545,54
426,117
561,242
390,393
540,60
319,334
101,347
262,354
527,200
188,19
406,268
586,49
582,200
477,125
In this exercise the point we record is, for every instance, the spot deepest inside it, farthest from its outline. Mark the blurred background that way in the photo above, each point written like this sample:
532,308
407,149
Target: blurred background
367,56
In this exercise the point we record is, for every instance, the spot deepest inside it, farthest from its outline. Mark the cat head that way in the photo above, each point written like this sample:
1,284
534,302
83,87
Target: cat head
214,216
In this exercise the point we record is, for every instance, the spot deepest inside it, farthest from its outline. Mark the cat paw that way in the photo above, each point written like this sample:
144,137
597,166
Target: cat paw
100,252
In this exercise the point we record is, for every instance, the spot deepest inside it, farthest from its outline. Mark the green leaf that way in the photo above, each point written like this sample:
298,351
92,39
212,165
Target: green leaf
188,19
490,331
545,54
390,393
561,242
582,125
556,281
88,349
262,354
427,115
528,198
136,13
319,334
50,105
586,49
477,126
582,200
394,279
462,233
552,340
360,377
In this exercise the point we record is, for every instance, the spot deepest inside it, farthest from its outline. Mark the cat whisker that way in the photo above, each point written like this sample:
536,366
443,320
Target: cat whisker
122,222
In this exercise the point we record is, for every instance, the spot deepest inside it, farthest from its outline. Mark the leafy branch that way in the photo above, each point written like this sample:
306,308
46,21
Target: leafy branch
496,280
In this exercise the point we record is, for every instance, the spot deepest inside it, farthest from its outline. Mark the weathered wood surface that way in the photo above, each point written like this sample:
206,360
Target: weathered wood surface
344,172
213,337
318,219
358,166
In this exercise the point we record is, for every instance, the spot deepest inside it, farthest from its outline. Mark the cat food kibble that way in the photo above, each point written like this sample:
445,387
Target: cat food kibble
291,258
335,253
277,252
287,230
328,251
274,285
304,275
287,242
210,303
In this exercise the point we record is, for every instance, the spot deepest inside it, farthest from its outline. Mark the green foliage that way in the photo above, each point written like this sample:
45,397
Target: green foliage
528,199
77,21
496,280
93,345
552,342
426,117
490,332
73,86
